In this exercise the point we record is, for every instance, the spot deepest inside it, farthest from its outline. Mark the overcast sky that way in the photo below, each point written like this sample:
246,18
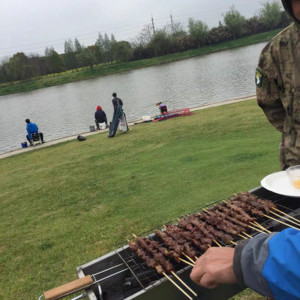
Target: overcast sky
30,26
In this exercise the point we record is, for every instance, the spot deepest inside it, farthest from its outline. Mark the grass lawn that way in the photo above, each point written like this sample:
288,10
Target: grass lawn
67,204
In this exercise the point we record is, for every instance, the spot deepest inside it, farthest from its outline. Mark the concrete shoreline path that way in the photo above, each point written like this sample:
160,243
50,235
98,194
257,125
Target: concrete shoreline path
73,137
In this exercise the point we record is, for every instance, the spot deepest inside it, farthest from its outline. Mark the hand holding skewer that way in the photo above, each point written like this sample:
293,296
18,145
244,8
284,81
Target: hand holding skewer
214,267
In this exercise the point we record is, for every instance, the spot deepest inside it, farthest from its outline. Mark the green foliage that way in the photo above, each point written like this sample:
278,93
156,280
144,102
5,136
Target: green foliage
99,70
122,51
234,21
64,212
54,61
198,31
160,43
171,38
271,13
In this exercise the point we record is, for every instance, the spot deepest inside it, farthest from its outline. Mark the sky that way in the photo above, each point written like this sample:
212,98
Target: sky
31,26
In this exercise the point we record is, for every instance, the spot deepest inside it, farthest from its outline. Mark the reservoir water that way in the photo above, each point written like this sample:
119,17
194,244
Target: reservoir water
69,109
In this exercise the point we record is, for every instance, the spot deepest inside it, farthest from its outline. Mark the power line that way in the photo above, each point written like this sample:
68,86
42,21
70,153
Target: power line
116,31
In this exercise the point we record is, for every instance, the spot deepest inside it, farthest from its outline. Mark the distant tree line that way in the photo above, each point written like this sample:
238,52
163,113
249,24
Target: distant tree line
149,43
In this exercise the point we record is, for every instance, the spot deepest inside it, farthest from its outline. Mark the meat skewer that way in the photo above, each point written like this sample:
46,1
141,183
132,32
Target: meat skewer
161,265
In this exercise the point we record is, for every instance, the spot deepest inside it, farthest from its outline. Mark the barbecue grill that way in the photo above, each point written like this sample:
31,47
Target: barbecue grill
121,275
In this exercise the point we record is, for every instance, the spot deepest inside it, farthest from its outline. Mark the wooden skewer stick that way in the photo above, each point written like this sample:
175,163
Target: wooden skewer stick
217,243
196,257
254,228
234,243
243,237
180,289
134,235
285,218
260,226
246,234
280,222
186,262
190,259
286,214
175,275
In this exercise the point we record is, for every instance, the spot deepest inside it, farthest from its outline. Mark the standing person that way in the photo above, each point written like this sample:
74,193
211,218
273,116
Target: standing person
32,128
100,118
266,263
118,110
278,85
162,107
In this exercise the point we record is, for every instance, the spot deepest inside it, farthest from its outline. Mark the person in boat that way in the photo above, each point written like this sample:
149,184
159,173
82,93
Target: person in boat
118,111
278,85
100,118
162,107
31,129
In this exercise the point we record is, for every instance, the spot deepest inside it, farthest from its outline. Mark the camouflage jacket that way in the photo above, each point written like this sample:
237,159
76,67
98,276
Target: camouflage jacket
278,90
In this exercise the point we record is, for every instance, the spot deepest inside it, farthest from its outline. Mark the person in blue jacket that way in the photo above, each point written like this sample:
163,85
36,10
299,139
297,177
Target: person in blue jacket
32,128
266,263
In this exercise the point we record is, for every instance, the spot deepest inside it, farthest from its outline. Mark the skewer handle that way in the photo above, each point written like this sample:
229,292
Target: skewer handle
68,288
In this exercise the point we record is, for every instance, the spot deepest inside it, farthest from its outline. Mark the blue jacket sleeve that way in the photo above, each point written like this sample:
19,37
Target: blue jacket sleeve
270,264
29,131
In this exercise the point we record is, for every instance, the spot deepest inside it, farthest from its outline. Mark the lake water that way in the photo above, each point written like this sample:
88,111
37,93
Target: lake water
69,109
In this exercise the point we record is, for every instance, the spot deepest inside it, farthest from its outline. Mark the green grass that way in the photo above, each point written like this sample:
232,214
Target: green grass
67,204
87,73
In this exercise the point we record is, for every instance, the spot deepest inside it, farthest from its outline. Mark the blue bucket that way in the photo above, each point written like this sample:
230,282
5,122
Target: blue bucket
24,145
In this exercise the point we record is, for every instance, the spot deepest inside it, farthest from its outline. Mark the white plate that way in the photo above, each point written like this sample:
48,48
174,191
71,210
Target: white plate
279,183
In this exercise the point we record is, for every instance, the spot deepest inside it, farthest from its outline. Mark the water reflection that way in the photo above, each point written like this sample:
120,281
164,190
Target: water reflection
69,109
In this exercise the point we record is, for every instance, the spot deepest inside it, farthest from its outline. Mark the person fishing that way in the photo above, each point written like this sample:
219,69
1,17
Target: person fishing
100,118
31,129
162,107
118,111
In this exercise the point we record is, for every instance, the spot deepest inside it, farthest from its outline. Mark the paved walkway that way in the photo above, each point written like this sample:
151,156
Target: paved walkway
73,137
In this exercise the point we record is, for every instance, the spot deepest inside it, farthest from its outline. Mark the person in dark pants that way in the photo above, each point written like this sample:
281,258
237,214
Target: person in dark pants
162,107
100,118
32,128
118,110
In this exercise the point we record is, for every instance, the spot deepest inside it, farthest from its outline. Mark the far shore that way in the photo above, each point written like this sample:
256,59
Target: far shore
86,134
114,68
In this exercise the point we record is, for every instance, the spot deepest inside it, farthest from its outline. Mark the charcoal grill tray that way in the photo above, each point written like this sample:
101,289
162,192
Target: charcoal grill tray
128,278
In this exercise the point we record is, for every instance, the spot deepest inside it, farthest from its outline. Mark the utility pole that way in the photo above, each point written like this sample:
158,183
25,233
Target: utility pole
172,23
153,28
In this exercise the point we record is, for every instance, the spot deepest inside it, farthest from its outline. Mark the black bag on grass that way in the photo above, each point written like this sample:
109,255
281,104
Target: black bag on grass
81,138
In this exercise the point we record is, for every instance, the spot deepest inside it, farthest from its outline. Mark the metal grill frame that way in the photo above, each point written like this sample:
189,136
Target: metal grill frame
158,285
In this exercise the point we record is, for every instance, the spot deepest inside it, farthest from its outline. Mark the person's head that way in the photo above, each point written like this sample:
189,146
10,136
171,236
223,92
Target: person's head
114,95
158,103
296,9
292,7
27,121
99,107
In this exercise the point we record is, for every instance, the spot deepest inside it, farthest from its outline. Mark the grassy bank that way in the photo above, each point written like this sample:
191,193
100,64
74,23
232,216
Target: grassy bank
98,71
65,205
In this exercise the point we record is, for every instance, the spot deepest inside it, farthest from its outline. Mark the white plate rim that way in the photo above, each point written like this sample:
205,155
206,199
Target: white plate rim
264,183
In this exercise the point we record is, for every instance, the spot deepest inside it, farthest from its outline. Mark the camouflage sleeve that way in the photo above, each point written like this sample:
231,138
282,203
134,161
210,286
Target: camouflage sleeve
267,79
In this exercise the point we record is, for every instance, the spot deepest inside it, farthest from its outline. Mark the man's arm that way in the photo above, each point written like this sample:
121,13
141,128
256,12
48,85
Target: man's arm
29,132
267,263
268,87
